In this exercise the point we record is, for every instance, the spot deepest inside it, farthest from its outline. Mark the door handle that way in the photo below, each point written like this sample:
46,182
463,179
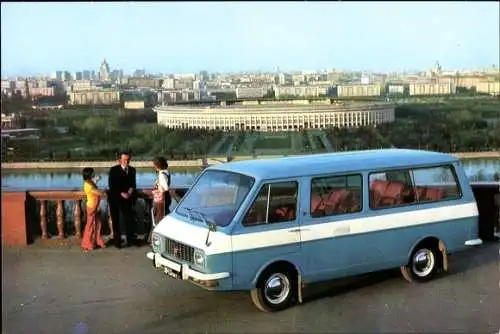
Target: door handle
294,230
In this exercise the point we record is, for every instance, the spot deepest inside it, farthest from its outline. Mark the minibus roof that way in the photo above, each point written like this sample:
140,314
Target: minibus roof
340,162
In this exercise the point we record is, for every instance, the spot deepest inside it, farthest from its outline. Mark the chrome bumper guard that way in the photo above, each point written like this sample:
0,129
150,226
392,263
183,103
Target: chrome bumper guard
474,242
182,271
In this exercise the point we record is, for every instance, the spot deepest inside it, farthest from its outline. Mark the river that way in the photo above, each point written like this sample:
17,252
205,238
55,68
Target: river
21,180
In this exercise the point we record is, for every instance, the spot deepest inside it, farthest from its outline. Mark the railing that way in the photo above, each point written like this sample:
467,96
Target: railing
59,197
60,215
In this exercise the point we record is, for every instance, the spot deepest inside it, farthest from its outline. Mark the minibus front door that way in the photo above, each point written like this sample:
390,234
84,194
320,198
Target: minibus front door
270,231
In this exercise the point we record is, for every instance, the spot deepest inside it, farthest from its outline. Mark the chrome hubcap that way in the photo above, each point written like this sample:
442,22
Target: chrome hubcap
423,262
277,288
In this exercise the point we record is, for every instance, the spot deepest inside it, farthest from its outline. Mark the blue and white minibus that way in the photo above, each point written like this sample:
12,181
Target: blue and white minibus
272,226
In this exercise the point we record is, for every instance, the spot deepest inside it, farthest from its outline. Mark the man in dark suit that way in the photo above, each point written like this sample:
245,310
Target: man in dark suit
121,199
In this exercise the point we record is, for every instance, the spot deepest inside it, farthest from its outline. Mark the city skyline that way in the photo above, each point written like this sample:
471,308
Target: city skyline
235,37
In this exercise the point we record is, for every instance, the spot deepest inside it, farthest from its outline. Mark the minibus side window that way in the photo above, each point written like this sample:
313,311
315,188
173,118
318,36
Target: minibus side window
275,203
391,188
333,195
434,184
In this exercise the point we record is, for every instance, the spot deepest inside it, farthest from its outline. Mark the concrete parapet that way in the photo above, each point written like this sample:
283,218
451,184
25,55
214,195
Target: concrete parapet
477,155
14,227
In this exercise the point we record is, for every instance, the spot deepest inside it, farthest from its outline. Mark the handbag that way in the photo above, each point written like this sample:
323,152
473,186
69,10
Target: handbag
158,196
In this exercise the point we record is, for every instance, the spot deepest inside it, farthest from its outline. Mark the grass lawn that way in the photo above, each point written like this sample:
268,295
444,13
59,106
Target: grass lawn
493,121
275,143
69,143
272,142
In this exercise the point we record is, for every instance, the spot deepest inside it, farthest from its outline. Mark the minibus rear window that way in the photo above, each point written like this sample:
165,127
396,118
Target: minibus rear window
394,188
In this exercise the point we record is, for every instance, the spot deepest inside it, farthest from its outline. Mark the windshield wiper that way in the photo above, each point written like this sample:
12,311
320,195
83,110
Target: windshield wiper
190,216
212,227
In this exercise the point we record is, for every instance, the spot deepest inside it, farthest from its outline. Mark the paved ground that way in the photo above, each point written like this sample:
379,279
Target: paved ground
109,291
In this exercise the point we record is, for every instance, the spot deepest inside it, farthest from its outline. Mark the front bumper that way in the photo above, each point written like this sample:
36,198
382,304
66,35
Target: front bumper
184,272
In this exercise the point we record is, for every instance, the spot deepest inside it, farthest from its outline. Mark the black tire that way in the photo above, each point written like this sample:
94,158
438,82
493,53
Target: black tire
425,262
283,295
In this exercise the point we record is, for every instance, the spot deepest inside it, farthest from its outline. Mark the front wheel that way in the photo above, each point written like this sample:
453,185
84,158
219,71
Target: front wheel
275,290
423,266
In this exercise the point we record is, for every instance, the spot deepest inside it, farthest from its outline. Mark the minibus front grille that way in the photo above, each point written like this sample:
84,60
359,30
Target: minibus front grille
179,250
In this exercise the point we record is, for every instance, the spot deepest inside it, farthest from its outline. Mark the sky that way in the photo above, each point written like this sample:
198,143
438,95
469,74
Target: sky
187,37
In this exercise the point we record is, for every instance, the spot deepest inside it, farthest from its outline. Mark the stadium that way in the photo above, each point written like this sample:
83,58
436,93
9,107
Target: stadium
276,115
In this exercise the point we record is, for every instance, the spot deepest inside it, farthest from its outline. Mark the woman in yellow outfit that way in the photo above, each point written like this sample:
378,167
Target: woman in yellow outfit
92,233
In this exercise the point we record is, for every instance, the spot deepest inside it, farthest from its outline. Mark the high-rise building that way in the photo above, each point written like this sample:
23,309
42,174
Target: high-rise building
78,76
58,75
204,75
365,79
116,74
140,73
66,76
104,73
86,75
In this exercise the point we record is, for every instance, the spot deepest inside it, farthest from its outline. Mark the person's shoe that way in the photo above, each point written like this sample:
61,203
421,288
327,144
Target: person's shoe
133,242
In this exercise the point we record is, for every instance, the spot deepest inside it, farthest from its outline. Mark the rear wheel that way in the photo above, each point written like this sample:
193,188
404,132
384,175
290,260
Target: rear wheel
424,264
276,290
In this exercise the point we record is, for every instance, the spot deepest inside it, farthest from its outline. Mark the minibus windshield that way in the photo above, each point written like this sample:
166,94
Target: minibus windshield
217,195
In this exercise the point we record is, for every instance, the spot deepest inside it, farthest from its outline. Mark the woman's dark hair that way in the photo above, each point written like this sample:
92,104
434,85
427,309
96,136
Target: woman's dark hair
160,163
87,173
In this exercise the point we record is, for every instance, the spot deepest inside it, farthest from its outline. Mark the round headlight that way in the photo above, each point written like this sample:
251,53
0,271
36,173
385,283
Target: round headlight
199,258
156,241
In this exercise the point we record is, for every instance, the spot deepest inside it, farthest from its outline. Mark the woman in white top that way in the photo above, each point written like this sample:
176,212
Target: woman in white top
161,190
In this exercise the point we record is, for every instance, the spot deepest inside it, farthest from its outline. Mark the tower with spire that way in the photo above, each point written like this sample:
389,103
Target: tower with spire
437,68
104,71
27,88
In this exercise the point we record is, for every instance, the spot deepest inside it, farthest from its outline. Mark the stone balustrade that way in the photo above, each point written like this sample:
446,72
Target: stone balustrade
60,215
